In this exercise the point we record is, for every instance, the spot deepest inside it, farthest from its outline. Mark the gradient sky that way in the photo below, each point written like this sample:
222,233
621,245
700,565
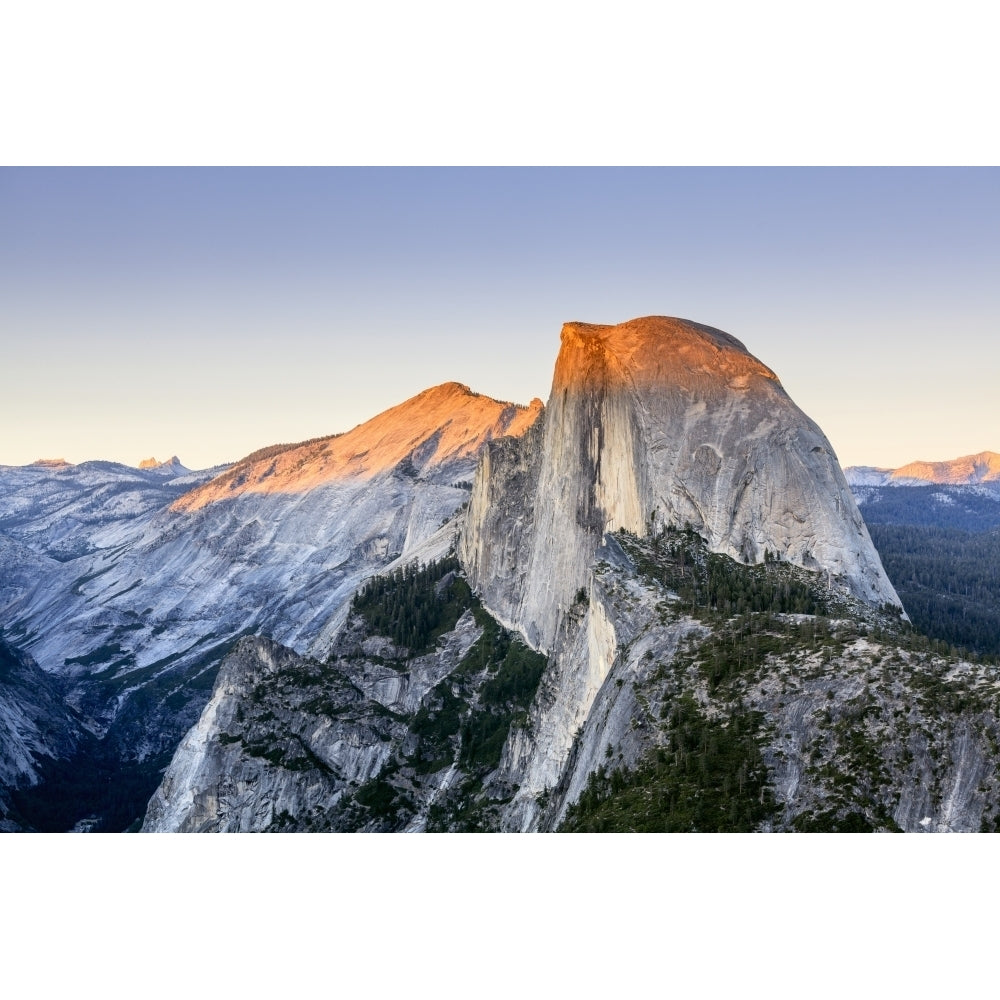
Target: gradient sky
209,312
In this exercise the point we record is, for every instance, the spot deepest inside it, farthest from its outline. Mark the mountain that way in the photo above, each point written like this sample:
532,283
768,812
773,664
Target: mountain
650,604
963,493
131,585
651,423
171,467
63,511
435,436
967,470
664,612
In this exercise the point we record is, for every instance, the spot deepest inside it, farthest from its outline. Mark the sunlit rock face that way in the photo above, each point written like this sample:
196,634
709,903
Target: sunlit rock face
653,422
436,432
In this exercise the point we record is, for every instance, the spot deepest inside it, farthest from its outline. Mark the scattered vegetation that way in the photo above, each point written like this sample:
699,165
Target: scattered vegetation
416,605
464,721
708,584
709,777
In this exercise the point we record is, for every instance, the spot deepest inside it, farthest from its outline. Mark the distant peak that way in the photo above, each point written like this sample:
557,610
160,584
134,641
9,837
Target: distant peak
152,463
51,463
449,389
983,467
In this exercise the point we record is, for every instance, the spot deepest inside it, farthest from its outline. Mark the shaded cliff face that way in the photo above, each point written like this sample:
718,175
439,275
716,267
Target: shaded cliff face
651,423
35,725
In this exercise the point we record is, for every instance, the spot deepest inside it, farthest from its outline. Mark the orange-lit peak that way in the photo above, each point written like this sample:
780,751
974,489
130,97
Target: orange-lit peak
649,351
444,424
980,468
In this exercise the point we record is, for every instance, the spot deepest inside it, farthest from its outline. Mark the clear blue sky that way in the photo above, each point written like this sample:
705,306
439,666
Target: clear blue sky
209,312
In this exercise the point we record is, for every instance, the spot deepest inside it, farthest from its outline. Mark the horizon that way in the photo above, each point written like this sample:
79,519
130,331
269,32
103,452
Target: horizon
146,461
206,313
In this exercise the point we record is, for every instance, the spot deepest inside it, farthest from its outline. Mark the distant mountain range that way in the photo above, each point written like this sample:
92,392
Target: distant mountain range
962,493
969,470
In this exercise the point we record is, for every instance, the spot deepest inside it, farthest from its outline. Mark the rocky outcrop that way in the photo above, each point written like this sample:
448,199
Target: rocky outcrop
651,423
290,743
171,467
238,770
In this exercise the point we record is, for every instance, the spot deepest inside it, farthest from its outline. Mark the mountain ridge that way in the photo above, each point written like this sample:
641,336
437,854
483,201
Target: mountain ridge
981,467
440,426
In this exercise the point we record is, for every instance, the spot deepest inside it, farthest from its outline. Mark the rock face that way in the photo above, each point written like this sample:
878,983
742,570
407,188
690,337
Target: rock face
650,423
368,740
214,784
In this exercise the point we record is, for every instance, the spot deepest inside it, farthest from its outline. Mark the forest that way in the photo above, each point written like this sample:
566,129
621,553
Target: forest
948,580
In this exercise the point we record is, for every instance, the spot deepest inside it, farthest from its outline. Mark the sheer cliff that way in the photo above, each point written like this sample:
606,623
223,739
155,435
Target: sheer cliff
650,423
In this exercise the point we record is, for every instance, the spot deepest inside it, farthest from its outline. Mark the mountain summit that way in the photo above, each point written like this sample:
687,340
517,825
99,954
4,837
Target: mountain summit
651,352
430,434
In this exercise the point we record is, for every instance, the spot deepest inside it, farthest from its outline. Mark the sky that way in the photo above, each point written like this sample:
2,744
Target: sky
208,312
